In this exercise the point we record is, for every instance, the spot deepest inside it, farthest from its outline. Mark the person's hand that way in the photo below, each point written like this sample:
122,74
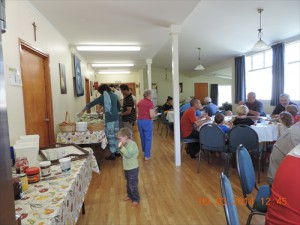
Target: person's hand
120,145
80,114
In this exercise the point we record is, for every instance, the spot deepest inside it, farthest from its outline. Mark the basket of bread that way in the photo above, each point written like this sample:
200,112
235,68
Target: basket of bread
96,125
67,126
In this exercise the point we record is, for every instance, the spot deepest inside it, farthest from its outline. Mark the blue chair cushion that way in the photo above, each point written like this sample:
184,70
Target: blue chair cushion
263,193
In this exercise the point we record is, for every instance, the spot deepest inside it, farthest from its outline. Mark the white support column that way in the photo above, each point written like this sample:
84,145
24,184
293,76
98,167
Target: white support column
149,62
175,30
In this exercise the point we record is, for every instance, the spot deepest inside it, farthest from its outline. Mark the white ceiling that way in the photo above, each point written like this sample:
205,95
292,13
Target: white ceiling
222,28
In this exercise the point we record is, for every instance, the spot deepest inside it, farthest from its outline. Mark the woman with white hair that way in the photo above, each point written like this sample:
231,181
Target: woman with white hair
210,108
145,125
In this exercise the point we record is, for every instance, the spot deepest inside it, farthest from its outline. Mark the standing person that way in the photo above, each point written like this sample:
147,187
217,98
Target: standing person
129,152
116,89
255,107
284,144
111,106
284,100
128,110
145,124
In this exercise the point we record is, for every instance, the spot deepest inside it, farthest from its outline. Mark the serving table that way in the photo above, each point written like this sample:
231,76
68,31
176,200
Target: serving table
82,138
57,199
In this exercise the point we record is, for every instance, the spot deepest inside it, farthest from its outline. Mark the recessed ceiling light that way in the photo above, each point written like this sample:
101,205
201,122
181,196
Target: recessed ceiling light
108,48
112,65
114,72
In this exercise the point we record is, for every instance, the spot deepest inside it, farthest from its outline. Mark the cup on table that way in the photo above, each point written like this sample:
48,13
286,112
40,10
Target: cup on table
65,164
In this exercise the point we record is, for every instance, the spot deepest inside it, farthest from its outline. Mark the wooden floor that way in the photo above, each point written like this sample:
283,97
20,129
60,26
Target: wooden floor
169,194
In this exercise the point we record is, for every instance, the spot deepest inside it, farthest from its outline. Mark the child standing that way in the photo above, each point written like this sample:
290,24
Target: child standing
129,152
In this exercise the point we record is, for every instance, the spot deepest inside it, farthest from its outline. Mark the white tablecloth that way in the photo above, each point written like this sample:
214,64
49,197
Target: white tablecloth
170,116
266,132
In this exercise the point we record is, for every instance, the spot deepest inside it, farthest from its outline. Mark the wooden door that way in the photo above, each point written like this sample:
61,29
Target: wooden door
132,86
201,91
37,96
87,93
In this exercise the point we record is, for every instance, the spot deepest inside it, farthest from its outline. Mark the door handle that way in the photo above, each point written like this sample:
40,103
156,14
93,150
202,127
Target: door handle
47,120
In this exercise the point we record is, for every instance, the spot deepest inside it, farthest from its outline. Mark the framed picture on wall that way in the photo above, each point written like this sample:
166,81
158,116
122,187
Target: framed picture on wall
62,78
78,78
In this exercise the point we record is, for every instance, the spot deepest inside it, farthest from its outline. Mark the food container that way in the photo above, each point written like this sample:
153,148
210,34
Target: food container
24,181
21,165
33,175
81,126
45,168
17,184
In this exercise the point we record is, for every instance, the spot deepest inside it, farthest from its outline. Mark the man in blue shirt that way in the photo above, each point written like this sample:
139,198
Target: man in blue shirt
187,105
210,108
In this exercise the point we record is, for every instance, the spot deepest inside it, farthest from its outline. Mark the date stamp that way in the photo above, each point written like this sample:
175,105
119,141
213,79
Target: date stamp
238,201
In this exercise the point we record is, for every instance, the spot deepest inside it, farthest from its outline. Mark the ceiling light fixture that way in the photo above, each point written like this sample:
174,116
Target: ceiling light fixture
114,72
199,67
108,48
112,65
260,44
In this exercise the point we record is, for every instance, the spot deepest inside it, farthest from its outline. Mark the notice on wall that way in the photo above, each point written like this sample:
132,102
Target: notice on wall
14,77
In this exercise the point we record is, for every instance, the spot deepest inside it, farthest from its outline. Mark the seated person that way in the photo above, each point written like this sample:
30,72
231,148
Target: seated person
228,113
255,107
285,121
293,109
285,143
284,204
284,100
188,123
219,120
210,108
168,105
187,105
242,118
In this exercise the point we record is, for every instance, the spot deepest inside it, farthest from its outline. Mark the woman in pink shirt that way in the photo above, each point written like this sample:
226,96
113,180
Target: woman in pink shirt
145,124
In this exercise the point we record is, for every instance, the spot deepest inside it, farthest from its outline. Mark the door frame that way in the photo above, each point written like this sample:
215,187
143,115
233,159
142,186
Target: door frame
46,60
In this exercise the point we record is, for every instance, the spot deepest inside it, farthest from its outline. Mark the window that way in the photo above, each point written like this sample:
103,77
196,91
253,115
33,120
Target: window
224,94
292,70
259,74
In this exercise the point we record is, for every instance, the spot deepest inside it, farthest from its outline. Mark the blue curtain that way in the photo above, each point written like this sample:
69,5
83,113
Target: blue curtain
240,83
277,73
214,93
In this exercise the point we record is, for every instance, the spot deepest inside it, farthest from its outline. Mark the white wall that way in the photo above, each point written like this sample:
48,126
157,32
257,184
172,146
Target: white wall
165,88
134,77
20,15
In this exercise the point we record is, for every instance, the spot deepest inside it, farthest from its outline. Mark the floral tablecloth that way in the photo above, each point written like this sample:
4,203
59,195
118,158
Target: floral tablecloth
57,199
82,138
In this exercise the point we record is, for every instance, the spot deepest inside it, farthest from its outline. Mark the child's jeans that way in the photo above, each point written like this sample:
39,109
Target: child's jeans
131,177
